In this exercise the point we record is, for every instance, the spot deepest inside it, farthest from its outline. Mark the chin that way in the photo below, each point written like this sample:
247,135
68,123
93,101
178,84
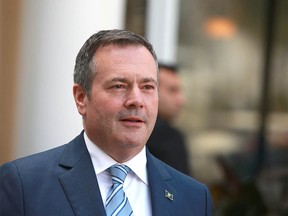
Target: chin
133,143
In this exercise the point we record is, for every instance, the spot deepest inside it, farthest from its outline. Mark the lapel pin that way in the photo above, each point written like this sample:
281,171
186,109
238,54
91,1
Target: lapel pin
169,195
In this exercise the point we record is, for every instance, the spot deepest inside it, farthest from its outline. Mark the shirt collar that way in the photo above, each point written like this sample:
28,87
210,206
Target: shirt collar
101,161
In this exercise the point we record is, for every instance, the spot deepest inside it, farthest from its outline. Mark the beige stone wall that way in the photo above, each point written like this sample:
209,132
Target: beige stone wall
9,47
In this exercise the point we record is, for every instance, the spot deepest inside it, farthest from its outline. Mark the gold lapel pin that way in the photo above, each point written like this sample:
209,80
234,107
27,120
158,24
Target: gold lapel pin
169,195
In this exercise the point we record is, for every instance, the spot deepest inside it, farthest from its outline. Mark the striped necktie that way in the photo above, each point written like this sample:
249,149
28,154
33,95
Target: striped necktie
117,202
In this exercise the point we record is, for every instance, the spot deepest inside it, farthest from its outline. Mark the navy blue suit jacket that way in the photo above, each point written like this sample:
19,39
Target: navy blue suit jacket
62,182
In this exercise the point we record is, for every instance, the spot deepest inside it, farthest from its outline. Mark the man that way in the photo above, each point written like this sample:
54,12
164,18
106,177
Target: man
167,142
116,92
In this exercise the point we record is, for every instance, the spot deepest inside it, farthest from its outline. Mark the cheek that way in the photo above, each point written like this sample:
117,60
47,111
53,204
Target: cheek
93,109
105,109
153,107
165,101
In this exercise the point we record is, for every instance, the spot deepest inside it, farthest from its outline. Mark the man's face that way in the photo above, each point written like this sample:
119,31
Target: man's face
170,93
121,111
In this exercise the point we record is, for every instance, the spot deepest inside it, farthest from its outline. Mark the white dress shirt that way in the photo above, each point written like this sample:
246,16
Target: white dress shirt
136,183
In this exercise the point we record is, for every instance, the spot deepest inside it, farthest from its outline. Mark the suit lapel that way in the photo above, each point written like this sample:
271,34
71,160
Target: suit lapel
80,182
163,195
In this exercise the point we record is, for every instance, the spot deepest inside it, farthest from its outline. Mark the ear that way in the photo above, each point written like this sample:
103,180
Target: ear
80,98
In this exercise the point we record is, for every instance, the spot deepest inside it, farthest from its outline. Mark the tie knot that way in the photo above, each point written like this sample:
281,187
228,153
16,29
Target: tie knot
119,173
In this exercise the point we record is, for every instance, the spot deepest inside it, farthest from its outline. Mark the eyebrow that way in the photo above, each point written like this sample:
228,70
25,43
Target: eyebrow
146,80
119,79
125,80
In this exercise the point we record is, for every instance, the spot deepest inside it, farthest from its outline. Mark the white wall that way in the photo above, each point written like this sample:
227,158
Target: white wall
162,28
53,31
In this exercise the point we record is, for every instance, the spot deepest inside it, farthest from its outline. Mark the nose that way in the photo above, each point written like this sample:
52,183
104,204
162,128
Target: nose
134,99
181,99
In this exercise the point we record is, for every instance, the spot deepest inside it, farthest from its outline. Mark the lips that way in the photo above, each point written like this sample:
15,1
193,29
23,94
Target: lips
132,119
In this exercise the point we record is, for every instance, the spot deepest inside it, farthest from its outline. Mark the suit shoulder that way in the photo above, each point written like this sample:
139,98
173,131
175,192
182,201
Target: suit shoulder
187,184
49,159
176,174
38,160
170,172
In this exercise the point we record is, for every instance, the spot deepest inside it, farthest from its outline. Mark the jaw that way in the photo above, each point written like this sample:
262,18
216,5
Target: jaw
123,152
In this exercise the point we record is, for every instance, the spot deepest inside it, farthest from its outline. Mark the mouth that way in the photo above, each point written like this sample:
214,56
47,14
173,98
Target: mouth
132,120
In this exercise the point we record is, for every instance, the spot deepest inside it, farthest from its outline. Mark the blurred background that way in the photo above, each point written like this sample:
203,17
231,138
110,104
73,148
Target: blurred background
233,59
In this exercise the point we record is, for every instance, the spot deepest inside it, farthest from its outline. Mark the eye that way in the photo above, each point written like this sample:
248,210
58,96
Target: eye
119,86
149,87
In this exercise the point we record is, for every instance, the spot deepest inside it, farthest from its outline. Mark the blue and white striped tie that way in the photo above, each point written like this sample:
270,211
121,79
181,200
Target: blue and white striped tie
117,202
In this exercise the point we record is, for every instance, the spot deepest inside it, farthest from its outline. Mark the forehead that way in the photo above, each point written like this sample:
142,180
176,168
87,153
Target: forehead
116,49
124,58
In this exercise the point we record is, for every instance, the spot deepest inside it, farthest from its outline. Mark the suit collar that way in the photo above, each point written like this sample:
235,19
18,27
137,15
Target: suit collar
79,181
81,187
75,150
159,184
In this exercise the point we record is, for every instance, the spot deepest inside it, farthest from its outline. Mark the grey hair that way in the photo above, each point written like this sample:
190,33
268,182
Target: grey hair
84,70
